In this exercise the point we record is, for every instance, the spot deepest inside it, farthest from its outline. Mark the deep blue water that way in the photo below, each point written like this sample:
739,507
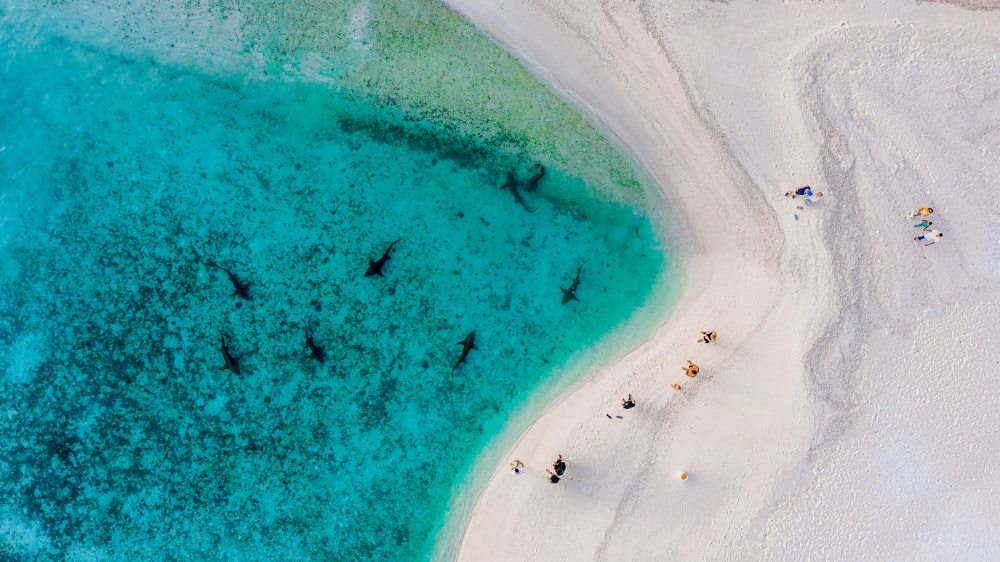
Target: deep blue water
122,177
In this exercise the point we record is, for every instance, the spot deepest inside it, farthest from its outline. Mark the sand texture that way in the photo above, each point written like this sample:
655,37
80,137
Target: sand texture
850,408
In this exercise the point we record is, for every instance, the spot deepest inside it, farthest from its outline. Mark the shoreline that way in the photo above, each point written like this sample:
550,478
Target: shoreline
295,382
727,108
570,377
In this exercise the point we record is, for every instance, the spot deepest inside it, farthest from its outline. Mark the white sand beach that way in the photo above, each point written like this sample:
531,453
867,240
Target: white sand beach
850,409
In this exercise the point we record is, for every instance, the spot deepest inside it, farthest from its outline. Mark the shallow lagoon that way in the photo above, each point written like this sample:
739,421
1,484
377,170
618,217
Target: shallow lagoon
123,172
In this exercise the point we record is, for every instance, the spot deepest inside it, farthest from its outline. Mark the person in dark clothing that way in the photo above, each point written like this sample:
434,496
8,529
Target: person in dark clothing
800,191
553,477
559,466
628,403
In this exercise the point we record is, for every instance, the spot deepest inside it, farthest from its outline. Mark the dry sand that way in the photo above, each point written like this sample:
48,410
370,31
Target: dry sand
850,408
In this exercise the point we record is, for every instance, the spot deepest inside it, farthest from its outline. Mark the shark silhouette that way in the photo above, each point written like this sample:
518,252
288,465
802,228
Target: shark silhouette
570,294
315,351
239,289
468,344
231,362
511,185
375,267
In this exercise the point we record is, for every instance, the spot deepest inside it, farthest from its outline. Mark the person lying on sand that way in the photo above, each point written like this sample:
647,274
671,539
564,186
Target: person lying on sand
553,477
931,235
691,370
707,337
923,224
799,191
811,198
628,403
921,212
805,191
517,467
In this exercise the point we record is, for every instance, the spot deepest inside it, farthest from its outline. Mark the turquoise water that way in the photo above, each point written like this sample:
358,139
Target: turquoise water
124,172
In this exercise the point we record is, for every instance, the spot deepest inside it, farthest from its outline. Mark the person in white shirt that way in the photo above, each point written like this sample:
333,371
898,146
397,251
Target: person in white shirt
930,236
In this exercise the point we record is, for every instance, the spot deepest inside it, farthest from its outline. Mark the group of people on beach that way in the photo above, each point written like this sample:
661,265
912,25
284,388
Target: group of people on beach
691,369
929,236
553,475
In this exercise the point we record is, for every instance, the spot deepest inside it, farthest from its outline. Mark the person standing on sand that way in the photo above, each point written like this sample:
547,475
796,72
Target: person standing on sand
553,477
921,212
931,235
707,337
517,468
691,370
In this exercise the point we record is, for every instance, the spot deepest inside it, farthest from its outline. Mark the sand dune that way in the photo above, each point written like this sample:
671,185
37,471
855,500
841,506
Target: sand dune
849,409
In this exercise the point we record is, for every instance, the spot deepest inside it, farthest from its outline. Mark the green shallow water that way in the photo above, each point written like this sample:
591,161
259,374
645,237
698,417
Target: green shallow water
126,165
